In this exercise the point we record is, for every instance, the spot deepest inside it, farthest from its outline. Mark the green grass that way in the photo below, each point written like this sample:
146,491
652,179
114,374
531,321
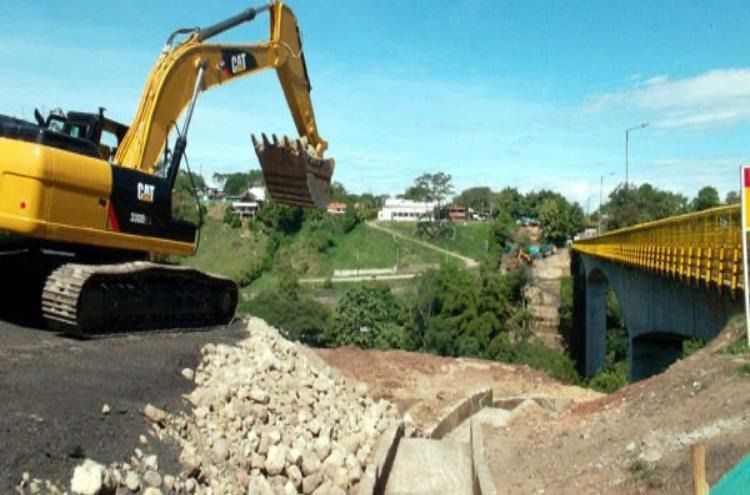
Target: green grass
224,250
470,239
363,247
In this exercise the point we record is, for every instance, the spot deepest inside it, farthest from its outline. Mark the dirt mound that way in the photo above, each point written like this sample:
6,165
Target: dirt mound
638,439
425,386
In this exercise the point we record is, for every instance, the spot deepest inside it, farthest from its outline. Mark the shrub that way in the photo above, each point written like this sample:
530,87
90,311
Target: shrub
691,346
366,316
608,381
303,319
231,218
555,363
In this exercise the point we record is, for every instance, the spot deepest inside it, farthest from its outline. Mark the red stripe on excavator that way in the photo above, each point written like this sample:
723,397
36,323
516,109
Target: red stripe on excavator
112,219
747,177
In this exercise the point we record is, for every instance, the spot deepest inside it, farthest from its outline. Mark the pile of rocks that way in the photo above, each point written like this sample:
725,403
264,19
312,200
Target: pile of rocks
265,420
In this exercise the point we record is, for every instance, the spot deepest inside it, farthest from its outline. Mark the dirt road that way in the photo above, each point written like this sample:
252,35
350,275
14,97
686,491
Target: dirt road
469,262
52,389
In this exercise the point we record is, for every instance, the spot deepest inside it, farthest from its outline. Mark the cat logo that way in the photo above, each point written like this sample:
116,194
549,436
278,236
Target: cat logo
235,62
146,192
238,63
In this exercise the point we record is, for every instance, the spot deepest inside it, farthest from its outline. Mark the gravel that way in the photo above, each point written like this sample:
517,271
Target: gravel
263,418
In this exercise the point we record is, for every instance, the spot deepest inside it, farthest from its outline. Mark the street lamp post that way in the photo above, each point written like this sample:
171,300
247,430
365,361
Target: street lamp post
627,139
601,192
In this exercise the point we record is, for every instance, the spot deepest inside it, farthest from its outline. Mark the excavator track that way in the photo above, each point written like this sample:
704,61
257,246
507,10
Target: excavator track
89,300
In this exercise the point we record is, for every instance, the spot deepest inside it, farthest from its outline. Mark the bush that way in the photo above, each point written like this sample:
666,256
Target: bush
231,218
303,319
555,363
608,381
367,316
691,346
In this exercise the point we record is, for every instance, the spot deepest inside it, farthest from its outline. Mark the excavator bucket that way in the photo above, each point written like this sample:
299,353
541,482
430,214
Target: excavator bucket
294,174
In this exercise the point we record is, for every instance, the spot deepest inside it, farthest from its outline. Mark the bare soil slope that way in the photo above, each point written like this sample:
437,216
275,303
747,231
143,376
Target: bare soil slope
427,386
638,439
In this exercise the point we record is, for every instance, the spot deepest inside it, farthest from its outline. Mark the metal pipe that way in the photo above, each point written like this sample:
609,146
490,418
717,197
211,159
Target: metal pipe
196,91
181,144
218,28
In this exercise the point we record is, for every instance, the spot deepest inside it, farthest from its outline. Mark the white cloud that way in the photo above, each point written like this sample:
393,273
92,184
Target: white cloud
713,98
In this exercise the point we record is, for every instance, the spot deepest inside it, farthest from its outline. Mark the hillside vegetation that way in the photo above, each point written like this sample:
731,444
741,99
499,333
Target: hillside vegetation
226,251
362,247
469,239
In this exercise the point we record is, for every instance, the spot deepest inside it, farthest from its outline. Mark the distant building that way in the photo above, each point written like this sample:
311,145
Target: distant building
250,203
212,194
527,222
406,210
335,208
457,213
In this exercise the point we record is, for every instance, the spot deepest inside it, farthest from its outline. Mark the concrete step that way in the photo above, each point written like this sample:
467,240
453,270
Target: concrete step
431,467
544,312
543,327
489,416
551,340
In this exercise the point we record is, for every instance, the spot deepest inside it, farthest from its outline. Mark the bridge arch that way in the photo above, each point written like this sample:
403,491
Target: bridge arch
659,313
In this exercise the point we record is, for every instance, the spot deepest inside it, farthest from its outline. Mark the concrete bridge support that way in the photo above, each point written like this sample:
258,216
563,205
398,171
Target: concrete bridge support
659,314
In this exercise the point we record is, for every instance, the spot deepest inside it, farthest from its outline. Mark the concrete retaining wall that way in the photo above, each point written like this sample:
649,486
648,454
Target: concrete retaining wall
460,412
365,272
373,481
482,478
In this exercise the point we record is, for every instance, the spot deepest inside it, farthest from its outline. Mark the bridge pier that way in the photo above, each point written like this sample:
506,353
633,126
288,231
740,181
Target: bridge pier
659,313
596,323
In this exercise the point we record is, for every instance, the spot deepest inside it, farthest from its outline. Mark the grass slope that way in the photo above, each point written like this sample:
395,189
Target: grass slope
363,247
227,251
470,240
224,250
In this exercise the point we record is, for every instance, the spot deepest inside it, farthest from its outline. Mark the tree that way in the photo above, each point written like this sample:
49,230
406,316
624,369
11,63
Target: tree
477,198
237,183
416,193
368,316
733,197
632,205
512,202
185,203
708,197
430,187
281,218
553,222
339,192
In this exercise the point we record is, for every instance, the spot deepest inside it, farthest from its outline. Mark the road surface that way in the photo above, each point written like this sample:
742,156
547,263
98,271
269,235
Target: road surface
52,389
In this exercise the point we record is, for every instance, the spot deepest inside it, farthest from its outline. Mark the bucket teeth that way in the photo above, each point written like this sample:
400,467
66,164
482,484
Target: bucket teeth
294,174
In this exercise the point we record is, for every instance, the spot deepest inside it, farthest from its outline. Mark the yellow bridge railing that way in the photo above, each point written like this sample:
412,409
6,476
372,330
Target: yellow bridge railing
703,248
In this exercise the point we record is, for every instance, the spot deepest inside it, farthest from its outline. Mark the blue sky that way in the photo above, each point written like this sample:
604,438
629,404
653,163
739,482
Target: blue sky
522,93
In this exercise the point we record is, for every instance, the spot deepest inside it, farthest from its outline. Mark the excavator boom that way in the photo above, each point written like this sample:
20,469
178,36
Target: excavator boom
295,174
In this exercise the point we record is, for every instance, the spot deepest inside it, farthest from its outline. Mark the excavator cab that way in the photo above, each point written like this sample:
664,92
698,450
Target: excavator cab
97,131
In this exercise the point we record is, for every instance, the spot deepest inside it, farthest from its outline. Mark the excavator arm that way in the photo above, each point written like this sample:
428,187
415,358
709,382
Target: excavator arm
295,170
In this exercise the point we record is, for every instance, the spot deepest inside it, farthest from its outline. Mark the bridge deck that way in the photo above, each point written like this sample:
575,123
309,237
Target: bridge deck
703,248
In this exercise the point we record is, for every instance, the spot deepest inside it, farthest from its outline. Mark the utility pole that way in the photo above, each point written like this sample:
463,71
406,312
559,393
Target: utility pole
627,139
599,216
601,194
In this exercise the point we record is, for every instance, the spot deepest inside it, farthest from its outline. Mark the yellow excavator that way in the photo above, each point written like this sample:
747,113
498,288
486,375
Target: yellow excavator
91,198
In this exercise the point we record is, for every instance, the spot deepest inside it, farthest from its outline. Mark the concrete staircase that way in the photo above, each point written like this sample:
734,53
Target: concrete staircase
543,297
443,466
